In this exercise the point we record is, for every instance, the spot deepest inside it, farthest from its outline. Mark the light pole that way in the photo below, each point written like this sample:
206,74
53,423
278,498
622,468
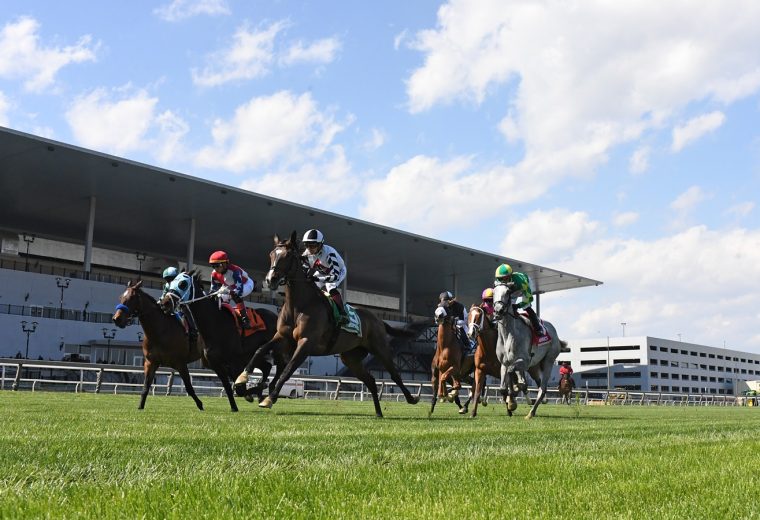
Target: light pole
623,324
140,258
109,335
29,331
28,239
63,284
609,385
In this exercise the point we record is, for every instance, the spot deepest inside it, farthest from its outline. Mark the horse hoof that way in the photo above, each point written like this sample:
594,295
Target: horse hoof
462,411
248,397
528,417
413,400
483,402
240,389
266,403
242,379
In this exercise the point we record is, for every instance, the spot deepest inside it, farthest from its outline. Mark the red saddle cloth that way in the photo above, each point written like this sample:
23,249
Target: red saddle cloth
256,321
535,339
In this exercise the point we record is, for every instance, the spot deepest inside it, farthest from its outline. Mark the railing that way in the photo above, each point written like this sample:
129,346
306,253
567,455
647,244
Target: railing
86,377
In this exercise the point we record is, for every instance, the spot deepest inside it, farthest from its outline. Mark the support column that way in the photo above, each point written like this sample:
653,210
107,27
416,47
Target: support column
402,306
454,287
88,240
344,285
191,245
538,303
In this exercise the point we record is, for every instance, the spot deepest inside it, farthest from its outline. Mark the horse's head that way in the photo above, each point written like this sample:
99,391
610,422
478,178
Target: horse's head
476,320
128,306
443,313
284,260
502,301
181,290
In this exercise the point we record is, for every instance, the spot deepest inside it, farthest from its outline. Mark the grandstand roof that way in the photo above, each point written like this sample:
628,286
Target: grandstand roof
45,188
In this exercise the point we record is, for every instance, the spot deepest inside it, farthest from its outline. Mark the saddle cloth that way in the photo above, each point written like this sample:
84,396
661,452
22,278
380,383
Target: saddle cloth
535,339
182,321
354,325
256,321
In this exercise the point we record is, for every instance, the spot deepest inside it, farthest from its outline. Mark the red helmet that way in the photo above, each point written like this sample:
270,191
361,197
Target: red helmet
218,257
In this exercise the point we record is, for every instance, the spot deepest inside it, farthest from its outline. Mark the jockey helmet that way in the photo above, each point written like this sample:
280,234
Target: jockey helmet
503,271
445,296
170,273
313,236
487,294
218,257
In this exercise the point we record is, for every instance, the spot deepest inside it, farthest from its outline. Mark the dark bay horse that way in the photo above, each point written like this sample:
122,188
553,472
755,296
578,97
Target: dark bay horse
566,385
226,352
449,362
486,363
165,342
516,354
306,327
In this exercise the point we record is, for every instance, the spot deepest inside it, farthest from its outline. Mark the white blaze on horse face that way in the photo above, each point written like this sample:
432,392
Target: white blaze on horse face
475,322
500,296
278,252
440,313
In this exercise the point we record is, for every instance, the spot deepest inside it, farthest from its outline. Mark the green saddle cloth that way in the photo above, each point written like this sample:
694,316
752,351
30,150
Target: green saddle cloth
354,325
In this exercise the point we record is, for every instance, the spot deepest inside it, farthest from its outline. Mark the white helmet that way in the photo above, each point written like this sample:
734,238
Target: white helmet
313,236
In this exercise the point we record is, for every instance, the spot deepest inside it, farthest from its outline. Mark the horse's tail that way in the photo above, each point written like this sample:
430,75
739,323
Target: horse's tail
409,331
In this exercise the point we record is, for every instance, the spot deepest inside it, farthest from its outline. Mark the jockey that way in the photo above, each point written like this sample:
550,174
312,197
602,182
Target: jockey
169,274
565,369
234,279
519,285
325,266
487,304
448,305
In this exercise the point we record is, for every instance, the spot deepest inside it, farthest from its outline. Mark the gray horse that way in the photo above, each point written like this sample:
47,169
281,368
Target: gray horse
514,352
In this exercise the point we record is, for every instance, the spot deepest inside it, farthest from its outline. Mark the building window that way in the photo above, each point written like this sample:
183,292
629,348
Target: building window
628,361
712,379
720,380
712,368
627,375
655,388
702,354
692,353
703,378
653,374
703,367
676,388
665,375
674,364
711,356
663,349
652,347
695,378
684,352
664,362
604,349
652,361
665,388
720,357
587,362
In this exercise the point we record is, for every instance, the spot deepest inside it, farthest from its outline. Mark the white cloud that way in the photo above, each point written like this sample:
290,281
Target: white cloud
320,51
586,76
741,210
249,56
400,38
625,219
181,9
696,128
687,200
543,235
5,106
375,141
698,282
22,56
282,128
639,162
124,120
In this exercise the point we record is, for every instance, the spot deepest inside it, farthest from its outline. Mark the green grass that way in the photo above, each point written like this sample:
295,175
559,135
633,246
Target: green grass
96,456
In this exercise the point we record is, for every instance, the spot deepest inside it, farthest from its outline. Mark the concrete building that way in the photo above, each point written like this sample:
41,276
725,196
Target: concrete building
658,365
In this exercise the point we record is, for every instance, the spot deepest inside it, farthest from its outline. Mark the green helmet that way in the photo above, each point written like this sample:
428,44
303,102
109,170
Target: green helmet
169,273
503,271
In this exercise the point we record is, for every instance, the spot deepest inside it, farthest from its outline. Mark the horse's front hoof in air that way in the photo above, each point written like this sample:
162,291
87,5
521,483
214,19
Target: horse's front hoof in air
266,403
242,379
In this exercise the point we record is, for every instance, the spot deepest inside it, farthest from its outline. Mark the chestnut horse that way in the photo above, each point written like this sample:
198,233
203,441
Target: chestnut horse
566,385
165,342
306,327
486,363
449,362
226,352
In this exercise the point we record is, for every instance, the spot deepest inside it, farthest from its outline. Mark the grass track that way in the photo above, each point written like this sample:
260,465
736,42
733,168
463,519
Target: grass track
64,455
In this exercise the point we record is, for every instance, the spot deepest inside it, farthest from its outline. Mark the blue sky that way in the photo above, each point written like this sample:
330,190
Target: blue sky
615,140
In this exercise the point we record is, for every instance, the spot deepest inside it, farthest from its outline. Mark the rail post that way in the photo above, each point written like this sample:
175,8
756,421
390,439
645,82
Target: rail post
17,380
2,381
337,390
170,383
380,393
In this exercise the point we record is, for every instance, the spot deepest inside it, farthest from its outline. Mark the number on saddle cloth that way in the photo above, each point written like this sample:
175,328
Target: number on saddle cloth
354,324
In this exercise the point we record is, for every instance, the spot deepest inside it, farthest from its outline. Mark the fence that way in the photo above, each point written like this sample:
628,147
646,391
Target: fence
86,377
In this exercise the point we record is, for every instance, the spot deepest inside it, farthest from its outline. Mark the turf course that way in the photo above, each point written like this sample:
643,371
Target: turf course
64,455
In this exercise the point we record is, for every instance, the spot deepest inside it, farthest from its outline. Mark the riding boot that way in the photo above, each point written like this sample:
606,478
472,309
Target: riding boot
243,314
338,299
534,321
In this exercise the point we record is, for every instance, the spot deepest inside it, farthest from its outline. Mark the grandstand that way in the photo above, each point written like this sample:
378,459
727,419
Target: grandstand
76,225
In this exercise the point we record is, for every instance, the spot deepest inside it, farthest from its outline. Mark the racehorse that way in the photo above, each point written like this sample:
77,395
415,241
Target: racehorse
516,354
226,352
486,363
449,362
306,327
566,385
165,342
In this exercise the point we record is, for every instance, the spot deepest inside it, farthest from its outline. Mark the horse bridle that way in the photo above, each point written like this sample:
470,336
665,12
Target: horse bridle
283,273
477,327
126,309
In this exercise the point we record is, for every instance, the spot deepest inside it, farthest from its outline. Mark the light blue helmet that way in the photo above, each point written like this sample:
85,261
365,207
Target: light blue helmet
170,273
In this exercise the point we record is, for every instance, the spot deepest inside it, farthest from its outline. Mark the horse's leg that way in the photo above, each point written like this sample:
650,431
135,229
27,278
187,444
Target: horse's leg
540,378
353,360
303,349
184,373
478,389
384,355
256,360
434,389
216,363
149,369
